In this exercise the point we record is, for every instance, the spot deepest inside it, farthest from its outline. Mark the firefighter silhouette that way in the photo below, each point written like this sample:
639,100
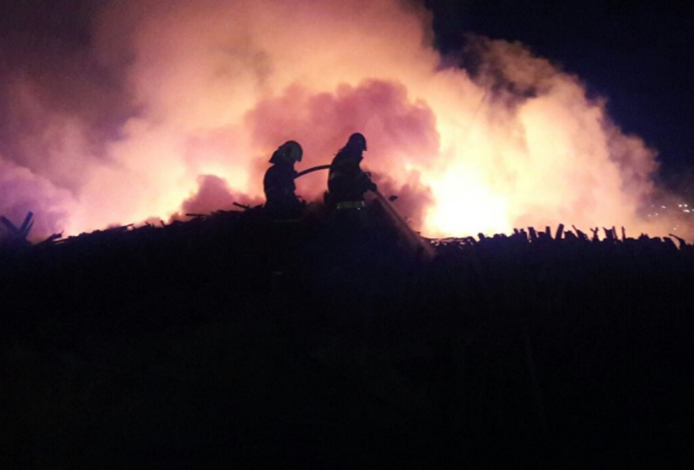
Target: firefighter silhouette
281,201
347,183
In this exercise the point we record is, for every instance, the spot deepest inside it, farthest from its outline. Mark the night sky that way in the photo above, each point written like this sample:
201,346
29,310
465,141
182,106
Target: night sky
636,53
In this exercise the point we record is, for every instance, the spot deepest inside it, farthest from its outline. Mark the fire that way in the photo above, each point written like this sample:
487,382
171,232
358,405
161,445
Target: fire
212,88
478,211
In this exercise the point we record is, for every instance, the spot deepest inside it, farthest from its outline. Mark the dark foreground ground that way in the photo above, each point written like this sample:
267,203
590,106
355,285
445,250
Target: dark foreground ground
235,341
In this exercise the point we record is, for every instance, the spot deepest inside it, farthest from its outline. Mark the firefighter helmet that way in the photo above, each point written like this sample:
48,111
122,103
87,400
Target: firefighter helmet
357,141
289,151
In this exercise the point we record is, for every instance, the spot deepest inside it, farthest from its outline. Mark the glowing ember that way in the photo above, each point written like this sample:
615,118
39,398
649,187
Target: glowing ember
212,88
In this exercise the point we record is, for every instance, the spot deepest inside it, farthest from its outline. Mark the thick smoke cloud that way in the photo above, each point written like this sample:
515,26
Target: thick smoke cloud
213,195
120,111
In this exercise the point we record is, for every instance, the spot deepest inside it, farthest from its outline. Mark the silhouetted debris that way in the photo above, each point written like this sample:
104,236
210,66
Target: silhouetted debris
51,239
682,244
17,236
251,339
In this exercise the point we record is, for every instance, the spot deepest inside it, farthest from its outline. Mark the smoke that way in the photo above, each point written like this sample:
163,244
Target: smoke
213,195
159,107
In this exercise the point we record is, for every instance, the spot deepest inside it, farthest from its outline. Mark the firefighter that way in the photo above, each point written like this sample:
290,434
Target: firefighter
347,183
279,184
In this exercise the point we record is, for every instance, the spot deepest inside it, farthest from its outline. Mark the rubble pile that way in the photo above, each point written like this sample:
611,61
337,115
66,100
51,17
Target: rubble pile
234,337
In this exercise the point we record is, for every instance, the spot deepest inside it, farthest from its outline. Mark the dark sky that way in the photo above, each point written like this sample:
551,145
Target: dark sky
636,53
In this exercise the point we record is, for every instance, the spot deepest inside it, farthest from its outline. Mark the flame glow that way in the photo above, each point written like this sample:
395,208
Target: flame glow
203,92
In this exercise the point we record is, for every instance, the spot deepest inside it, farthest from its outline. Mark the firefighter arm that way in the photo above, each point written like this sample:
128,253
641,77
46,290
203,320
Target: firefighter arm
366,182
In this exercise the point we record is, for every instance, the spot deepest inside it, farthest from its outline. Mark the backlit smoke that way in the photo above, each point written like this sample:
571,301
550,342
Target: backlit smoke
172,106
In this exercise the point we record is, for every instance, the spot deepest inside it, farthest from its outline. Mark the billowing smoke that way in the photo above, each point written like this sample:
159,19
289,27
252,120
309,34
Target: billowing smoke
214,194
158,107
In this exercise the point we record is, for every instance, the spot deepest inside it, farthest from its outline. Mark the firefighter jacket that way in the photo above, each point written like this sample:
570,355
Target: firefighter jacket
347,183
279,188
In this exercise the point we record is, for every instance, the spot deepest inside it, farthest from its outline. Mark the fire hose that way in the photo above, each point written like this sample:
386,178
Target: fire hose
413,241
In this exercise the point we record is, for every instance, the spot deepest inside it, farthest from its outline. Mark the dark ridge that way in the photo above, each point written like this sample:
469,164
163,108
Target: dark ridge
234,339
